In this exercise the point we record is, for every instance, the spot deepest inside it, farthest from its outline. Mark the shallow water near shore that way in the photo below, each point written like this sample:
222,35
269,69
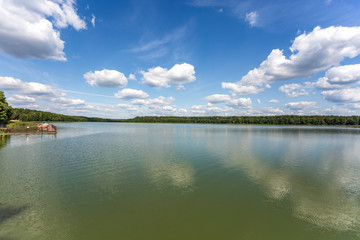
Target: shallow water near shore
178,181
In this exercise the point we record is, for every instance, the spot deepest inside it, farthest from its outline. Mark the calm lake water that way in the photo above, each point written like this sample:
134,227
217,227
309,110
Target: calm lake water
174,181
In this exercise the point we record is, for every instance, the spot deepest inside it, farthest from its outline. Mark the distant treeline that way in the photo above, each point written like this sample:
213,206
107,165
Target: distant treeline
34,115
276,120
27,115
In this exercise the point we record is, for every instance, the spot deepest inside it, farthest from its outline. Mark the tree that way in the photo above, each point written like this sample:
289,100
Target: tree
5,109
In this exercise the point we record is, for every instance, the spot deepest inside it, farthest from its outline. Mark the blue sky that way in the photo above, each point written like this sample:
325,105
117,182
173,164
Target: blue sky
121,59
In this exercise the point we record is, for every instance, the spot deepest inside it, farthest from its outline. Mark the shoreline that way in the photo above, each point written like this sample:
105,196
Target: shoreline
28,133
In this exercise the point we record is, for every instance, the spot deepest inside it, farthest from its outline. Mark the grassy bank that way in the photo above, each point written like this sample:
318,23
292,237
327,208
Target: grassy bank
21,124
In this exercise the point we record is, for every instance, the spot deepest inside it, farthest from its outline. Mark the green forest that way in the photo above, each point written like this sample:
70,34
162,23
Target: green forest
275,120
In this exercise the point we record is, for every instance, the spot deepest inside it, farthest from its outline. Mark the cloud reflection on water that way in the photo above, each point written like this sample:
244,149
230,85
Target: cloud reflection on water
178,174
320,178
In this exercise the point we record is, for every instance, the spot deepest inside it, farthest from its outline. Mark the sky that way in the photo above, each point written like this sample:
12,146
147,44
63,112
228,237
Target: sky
121,59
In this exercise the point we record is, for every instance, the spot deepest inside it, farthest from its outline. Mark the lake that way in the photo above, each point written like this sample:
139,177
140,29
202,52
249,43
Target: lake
177,181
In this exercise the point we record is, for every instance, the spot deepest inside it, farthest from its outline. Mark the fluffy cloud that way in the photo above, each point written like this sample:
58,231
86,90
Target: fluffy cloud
274,101
300,105
342,95
159,101
210,109
223,98
39,89
340,77
240,89
68,101
11,84
162,77
295,89
127,107
240,103
218,98
169,108
128,93
311,53
27,27
106,78
29,88
20,99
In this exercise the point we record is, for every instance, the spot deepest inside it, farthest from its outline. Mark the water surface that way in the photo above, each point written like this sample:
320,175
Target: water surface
175,181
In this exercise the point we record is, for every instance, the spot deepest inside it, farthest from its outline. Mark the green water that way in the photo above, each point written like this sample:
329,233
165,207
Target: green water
165,181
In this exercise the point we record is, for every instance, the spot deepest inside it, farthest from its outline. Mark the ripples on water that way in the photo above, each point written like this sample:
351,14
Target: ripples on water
164,181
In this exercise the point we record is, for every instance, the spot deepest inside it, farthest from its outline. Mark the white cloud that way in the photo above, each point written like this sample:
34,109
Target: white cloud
270,111
169,108
340,77
182,111
274,101
162,77
132,77
159,110
159,101
67,101
252,18
27,27
289,90
342,95
20,99
240,89
218,98
311,53
62,101
259,101
39,89
295,89
352,105
180,87
210,109
223,98
128,93
106,78
300,105
29,88
127,107
11,84
93,18
337,111
240,103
